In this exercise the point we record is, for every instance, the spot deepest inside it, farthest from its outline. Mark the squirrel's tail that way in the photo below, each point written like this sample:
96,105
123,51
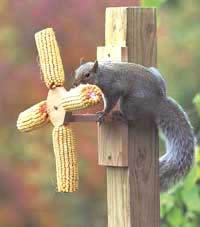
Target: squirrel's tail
178,131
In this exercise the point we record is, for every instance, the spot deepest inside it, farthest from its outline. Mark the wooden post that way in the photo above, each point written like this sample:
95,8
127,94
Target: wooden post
131,152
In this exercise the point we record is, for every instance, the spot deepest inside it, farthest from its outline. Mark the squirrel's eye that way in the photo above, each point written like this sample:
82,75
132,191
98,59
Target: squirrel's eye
87,75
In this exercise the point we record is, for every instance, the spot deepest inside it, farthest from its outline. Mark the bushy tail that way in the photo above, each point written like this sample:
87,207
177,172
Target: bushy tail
178,131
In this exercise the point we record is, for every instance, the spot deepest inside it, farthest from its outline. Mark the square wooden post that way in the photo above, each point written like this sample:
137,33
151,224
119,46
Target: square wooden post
130,153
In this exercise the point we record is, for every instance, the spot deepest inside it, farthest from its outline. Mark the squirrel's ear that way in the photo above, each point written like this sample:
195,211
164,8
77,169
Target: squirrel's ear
95,67
82,61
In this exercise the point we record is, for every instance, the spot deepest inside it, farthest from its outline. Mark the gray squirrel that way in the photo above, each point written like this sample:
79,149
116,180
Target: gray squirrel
142,92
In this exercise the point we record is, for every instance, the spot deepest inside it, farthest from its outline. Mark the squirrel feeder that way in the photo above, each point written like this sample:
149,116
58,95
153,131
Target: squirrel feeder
59,101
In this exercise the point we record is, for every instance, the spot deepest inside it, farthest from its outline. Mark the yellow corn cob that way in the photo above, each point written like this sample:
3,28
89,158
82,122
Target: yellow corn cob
32,118
50,59
66,159
81,97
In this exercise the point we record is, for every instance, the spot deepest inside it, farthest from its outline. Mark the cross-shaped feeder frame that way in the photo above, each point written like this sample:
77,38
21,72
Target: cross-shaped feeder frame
57,110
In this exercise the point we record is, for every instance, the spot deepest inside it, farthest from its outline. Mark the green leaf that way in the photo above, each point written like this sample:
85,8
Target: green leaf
175,217
191,198
197,163
167,203
187,225
196,102
152,3
196,99
191,179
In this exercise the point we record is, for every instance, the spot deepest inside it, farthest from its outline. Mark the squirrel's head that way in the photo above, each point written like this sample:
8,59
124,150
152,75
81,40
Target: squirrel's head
86,73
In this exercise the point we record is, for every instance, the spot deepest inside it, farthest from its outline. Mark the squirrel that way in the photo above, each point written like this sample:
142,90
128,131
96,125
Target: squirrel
142,92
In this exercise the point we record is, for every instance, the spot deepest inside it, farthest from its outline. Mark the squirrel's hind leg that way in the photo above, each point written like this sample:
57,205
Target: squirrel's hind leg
119,116
130,109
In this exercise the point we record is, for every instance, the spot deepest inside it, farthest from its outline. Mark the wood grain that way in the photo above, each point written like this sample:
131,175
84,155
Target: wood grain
143,174
118,195
114,53
133,192
113,144
84,118
113,137
116,26
143,155
141,36
56,112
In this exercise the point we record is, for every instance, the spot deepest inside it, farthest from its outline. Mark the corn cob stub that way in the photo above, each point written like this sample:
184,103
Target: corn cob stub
50,59
81,97
32,118
66,159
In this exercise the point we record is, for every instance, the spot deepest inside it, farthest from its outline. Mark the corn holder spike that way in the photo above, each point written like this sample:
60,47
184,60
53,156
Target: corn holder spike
54,109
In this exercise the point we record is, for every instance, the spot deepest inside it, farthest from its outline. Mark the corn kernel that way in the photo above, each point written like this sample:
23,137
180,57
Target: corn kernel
81,97
50,59
66,159
33,118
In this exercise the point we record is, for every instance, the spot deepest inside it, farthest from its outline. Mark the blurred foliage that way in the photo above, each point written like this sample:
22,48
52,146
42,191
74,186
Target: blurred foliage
196,102
28,196
180,207
152,3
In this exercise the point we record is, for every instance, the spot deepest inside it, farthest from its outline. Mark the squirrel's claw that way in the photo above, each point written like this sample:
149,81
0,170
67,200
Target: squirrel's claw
100,116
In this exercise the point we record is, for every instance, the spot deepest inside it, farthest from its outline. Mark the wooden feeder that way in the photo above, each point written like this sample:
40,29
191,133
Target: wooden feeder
56,109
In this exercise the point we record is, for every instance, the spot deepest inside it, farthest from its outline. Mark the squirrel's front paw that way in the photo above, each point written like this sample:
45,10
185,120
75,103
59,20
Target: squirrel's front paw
118,116
100,116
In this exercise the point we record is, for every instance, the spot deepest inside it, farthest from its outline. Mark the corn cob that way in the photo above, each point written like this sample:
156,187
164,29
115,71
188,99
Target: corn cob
32,118
81,97
66,159
50,59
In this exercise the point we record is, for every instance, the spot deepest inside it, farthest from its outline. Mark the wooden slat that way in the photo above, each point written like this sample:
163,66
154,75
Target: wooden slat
83,118
141,36
116,27
118,196
113,144
113,139
143,174
116,53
